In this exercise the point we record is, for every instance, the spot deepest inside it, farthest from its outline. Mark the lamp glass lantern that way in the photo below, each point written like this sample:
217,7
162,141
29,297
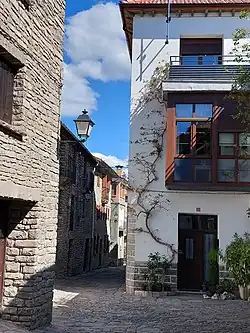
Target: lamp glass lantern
84,125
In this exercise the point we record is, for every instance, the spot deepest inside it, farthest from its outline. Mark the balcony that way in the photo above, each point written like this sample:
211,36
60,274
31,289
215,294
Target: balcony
202,72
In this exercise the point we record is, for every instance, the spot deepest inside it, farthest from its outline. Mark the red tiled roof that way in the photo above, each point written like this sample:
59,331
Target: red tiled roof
187,2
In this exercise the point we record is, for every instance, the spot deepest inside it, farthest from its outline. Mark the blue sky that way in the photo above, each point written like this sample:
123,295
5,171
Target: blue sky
102,76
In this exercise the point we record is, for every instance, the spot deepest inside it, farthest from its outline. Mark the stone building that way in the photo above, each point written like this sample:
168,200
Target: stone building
77,210
31,39
103,194
119,205
111,201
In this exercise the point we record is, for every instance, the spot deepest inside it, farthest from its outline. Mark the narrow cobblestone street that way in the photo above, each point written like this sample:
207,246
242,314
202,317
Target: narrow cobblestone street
97,303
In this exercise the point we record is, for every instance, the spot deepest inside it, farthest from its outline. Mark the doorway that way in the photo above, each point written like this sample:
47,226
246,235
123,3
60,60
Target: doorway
4,213
86,255
197,235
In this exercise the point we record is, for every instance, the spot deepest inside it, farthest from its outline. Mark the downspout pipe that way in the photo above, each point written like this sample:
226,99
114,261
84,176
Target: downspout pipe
168,21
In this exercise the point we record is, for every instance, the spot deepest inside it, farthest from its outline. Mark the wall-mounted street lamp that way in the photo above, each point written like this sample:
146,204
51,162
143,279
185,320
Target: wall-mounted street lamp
84,125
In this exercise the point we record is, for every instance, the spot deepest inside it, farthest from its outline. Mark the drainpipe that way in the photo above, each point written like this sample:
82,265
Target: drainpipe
93,220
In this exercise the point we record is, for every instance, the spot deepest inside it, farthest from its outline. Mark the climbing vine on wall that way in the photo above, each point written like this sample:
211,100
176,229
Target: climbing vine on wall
152,134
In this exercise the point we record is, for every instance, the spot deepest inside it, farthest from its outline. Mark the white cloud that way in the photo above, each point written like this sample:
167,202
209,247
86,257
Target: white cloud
112,161
77,93
95,44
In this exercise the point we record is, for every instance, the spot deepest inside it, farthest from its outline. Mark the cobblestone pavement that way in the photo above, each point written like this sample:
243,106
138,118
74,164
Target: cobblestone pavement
97,303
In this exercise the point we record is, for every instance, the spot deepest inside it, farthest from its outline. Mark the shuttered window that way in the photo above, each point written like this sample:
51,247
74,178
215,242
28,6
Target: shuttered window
7,75
200,46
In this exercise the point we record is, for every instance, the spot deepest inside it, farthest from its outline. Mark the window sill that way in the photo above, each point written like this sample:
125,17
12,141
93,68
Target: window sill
12,130
209,187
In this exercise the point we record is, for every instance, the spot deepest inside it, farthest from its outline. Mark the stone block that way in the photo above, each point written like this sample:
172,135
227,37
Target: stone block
18,234
10,291
12,251
12,267
26,243
29,269
13,276
8,310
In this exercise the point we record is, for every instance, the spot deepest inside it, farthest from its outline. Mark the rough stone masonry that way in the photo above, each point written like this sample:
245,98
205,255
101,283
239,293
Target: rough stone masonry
31,39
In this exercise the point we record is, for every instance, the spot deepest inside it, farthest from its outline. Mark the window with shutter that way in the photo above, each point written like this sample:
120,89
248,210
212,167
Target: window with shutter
7,75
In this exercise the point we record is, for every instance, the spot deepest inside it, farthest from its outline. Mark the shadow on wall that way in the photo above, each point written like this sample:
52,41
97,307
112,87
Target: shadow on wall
27,278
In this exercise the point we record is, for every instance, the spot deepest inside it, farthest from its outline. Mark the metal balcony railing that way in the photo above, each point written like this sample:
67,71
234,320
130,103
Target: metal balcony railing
202,67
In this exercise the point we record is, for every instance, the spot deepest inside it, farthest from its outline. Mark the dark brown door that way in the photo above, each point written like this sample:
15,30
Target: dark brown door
4,215
190,260
197,234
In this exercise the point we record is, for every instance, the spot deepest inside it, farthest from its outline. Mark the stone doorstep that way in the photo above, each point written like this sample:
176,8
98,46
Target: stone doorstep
144,293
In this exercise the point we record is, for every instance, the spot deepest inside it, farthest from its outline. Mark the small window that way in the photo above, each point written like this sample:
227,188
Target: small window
226,144
183,139
184,110
189,248
203,138
192,60
209,60
183,170
120,233
203,170
244,143
244,171
226,170
7,75
98,181
203,110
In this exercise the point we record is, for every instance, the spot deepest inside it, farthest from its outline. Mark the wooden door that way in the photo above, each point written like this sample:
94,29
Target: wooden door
190,261
4,215
197,235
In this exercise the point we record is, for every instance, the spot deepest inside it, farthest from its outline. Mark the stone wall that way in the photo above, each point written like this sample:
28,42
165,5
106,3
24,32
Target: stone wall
79,228
29,171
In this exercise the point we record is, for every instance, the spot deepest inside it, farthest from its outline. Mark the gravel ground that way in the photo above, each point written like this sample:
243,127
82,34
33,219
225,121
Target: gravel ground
97,303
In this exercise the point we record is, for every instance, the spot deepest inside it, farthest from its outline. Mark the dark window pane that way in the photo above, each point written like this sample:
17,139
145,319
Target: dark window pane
183,170
226,143
6,91
244,170
203,170
189,251
185,221
203,138
184,110
192,60
183,138
204,110
226,169
210,60
244,143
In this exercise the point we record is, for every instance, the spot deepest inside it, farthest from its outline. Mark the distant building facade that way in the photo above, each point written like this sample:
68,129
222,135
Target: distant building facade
77,212
111,200
118,232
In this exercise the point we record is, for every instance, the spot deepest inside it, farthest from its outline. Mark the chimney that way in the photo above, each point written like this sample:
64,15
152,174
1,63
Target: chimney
119,169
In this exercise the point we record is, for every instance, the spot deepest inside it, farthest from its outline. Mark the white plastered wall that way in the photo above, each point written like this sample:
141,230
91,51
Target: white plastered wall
148,50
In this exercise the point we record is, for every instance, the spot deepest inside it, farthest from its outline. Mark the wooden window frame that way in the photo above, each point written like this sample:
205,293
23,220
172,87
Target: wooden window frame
214,154
236,157
7,75
192,156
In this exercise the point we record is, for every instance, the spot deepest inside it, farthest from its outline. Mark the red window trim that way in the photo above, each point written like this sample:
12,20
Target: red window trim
215,156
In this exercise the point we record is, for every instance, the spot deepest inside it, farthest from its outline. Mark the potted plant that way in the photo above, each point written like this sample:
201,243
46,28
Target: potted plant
237,259
156,271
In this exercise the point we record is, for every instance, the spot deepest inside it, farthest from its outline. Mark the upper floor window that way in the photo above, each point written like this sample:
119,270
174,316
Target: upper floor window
234,158
7,75
201,51
193,142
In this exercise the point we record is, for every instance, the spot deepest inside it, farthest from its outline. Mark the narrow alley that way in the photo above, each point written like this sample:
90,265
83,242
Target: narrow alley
97,303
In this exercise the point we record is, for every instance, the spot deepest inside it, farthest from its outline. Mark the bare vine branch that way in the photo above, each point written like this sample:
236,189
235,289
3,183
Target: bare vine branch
147,162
